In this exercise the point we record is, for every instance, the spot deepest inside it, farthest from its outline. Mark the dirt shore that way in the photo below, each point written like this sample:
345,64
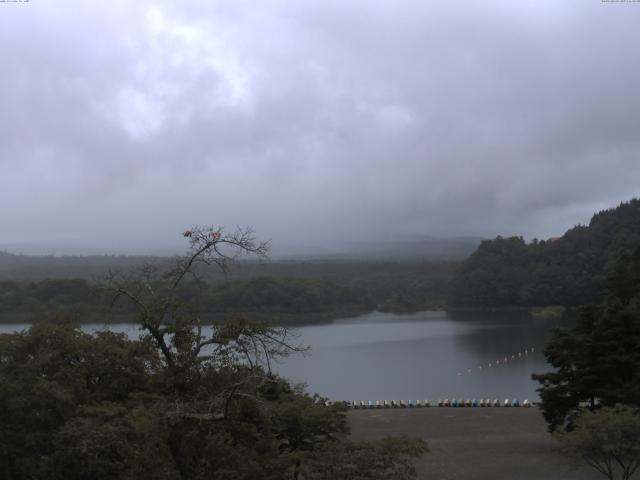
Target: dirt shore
474,443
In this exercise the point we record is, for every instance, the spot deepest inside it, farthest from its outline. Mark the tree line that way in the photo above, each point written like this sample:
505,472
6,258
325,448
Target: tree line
571,270
332,293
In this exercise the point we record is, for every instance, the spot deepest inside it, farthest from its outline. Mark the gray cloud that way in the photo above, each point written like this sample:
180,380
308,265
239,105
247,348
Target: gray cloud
316,122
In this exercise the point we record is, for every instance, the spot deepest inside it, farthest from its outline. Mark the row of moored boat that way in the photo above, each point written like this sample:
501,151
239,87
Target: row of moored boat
441,403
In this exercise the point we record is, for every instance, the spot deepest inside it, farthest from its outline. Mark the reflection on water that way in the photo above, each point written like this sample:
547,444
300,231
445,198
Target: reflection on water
426,355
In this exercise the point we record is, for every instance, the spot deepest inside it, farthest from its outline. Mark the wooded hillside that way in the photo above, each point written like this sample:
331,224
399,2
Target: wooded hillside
571,270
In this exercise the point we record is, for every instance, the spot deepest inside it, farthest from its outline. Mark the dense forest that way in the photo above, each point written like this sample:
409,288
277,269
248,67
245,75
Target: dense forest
39,267
278,298
286,292
397,276
570,270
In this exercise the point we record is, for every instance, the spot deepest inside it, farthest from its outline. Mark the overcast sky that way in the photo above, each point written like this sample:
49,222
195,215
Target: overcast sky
316,122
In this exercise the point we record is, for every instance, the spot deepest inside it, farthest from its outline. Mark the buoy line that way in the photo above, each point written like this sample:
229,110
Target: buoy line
501,361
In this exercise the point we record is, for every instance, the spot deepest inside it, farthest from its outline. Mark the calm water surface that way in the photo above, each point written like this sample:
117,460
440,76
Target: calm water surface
426,355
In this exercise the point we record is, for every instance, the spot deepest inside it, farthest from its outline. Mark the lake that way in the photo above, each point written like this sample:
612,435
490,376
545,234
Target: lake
425,355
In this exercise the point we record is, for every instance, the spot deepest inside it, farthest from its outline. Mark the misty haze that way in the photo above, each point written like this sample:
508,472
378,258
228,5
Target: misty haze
319,240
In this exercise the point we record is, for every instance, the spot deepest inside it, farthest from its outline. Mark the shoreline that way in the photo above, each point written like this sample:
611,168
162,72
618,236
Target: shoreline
290,319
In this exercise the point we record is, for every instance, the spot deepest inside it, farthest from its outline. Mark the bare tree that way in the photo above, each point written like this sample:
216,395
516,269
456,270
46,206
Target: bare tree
175,325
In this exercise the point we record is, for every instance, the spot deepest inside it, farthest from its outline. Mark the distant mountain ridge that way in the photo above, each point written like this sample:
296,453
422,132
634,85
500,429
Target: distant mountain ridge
33,267
570,270
428,249
408,249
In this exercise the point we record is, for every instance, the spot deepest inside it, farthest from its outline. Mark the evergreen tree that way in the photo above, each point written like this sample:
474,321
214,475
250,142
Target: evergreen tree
571,270
598,361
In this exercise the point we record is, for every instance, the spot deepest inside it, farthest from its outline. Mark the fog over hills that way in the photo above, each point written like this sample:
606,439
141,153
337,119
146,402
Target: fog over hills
416,249
18,266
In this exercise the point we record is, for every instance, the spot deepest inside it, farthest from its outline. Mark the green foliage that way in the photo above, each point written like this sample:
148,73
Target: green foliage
268,295
598,361
571,270
188,400
113,440
73,405
50,371
281,292
50,295
607,440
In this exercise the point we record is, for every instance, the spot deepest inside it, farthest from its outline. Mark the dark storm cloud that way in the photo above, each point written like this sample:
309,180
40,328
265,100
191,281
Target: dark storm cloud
315,122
